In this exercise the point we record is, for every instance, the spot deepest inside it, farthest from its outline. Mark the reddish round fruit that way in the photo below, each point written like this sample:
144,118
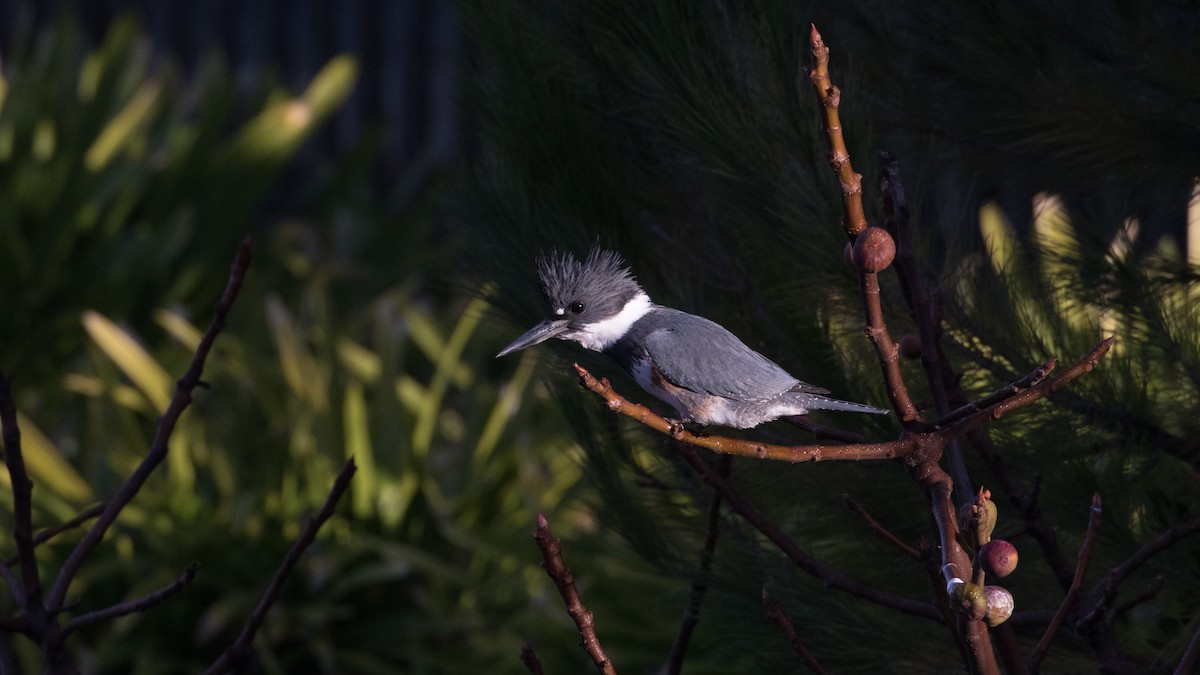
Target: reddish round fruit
999,605
874,249
998,557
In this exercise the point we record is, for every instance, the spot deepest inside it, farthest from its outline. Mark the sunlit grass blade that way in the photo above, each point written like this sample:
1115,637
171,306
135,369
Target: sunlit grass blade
506,405
300,368
119,131
356,422
131,358
447,362
48,468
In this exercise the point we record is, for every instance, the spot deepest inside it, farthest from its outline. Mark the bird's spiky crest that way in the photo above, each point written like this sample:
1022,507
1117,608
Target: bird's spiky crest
604,272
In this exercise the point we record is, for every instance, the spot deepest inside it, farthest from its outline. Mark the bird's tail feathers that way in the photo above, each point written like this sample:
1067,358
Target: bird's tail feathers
825,403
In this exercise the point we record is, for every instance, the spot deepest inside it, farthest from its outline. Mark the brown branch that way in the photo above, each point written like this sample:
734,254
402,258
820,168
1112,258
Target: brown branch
829,97
854,223
882,531
14,584
558,571
530,659
776,614
997,397
937,487
1146,594
1019,399
691,614
49,533
737,446
233,655
1009,648
926,311
1191,657
817,568
136,605
29,593
902,447
158,447
1102,595
886,350
1068,603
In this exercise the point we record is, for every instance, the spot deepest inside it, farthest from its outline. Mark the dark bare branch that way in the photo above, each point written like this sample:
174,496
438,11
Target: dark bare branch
162,436
691,614
819,569
557,568
30,590
136,605
882,531
234,654
1068,603
780,618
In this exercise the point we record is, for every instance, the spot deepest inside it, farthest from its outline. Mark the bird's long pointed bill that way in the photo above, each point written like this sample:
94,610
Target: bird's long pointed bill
539,333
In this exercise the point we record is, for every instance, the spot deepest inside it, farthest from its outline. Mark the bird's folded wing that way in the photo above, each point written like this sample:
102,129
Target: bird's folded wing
702,356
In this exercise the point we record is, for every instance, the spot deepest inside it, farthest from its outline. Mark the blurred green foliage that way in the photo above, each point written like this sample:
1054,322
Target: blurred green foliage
101,155
127,187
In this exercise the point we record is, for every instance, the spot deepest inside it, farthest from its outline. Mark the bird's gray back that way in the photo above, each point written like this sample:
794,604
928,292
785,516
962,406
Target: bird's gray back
702,356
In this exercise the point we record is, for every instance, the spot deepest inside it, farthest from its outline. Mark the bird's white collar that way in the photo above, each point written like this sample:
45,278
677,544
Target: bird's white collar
602,334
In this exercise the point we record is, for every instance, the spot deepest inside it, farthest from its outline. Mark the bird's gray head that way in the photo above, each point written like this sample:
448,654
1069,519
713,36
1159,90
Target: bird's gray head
592,302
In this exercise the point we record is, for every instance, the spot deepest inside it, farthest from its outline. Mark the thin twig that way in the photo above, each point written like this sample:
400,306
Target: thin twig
1191,657
817,568
136,605
886,350
829,97
1146,594
558,571
999,396
158,447
49,533
1068,603
9,665
691,614
1101,597
530,659
1024,397
30,590
926,312
14,584
882,531
233,655
854,223
776,614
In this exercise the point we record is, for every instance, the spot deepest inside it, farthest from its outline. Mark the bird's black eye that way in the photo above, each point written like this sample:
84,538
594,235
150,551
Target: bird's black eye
576,307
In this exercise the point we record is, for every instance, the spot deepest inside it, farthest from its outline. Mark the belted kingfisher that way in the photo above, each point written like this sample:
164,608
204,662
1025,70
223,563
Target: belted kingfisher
697,366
